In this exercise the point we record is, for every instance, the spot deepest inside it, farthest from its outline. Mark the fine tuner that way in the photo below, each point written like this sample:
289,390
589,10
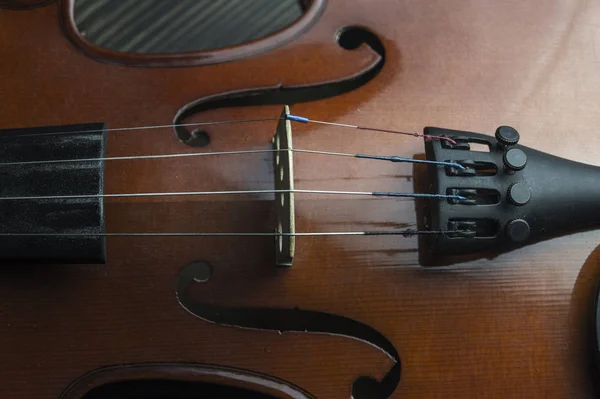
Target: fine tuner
477,201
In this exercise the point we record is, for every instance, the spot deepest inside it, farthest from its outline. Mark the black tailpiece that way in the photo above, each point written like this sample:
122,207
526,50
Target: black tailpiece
515,195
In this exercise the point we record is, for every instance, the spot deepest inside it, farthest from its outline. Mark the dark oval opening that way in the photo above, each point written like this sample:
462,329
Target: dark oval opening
166,389
161,27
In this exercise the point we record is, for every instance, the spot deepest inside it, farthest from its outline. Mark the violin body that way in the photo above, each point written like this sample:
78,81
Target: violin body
514,325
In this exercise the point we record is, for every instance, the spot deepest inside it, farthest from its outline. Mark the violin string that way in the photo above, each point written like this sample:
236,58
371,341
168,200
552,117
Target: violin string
240,192
404,233
203,154
135,128
304,120
293,118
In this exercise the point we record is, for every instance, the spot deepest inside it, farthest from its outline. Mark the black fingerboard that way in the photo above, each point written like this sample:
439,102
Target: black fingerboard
48,217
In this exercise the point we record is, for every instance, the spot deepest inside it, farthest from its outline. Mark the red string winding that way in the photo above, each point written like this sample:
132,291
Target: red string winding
427,137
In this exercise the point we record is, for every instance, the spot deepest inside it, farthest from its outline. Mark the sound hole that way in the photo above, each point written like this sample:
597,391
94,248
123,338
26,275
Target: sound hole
164,389
159,26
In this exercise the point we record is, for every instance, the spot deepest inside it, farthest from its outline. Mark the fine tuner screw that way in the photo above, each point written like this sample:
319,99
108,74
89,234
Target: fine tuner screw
519,194
514,160
518,230
507,136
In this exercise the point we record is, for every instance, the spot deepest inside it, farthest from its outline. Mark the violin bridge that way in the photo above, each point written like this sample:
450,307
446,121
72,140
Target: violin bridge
283,162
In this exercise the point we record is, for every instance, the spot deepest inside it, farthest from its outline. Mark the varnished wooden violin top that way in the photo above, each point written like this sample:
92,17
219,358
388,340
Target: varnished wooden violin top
172,308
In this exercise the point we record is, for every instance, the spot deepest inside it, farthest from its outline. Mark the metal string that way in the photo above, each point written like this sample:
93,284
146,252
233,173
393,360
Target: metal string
125,129
404,233
302,119
199,193
294,118
203,154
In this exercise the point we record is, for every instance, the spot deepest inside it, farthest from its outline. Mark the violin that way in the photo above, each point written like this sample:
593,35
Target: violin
251,221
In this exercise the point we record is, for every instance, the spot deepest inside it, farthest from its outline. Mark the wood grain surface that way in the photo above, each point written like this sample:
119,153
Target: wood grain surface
515,326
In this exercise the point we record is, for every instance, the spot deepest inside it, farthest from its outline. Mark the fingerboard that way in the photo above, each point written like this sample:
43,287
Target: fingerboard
51,216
